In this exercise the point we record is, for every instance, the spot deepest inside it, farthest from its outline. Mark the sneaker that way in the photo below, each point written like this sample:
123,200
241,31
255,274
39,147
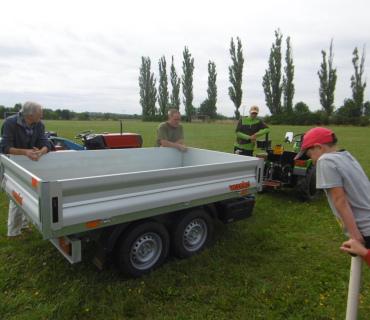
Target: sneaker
27,230
18,238
14,237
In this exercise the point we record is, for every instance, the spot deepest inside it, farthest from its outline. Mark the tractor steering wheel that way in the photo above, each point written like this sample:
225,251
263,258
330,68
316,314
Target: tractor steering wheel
300,135
83,134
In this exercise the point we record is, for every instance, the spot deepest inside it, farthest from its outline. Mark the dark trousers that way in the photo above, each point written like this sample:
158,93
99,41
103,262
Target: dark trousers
243,152
367,242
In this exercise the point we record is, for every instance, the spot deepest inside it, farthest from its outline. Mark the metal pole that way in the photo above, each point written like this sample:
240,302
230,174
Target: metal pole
354,288
123,115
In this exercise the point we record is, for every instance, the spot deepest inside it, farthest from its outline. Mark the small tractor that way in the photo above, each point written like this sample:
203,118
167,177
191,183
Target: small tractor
93,141
283,171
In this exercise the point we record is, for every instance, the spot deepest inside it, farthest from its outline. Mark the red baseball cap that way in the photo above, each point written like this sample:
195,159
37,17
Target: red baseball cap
316,135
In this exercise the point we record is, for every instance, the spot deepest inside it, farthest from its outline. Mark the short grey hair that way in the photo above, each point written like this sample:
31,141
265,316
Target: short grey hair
30,107
172,112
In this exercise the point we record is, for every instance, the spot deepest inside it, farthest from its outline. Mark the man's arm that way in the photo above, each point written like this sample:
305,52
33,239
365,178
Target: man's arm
178,145
263,131
254,136
7,135
40,152
355,247
42,140
242,135
180,141
238,132
341,203
33,154
22,152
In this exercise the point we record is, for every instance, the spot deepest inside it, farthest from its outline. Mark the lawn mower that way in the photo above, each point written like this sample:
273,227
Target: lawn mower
282,171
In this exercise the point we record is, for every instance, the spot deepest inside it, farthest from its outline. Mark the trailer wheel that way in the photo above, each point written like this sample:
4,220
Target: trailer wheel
142,249
191,233
306,185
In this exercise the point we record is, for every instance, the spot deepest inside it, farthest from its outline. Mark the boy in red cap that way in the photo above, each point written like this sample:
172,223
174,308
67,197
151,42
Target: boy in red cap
341,176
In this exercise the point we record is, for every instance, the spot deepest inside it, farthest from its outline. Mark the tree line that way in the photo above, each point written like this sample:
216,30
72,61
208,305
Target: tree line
354,110
149,95
65,114
279,88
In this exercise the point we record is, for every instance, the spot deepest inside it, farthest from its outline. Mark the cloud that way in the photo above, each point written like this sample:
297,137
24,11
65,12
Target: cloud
86,55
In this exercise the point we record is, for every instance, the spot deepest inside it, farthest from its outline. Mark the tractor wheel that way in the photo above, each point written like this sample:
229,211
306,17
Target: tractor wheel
306,185
142,249
191,233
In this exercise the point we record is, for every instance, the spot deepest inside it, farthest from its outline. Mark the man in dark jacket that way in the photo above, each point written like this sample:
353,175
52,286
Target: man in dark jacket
247,131
23,134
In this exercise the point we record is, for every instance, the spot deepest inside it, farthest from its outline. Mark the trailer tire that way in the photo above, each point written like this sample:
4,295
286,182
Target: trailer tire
306,185
142,249
191,233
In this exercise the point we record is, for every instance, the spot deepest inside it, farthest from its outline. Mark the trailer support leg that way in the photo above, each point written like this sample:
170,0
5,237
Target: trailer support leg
99,258
354,288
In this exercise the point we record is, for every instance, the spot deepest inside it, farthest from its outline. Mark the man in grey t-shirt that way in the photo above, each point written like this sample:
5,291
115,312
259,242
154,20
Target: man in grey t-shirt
345,182
171,133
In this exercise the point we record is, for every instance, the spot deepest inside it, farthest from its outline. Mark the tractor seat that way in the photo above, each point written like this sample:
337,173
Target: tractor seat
288,156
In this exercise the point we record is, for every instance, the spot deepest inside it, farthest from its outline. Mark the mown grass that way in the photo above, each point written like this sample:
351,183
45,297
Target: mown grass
282,263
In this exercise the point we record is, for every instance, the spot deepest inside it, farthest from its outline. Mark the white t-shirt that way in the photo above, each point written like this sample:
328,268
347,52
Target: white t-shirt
341,169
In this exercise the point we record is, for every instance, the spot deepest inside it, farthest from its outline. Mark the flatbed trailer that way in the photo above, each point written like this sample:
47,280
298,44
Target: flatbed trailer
135,202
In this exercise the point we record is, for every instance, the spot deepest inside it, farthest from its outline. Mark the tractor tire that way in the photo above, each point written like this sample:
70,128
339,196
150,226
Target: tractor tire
306,185
191,233
142,249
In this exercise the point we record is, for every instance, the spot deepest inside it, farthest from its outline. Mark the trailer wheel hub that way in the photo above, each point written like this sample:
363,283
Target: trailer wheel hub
195,234
146,250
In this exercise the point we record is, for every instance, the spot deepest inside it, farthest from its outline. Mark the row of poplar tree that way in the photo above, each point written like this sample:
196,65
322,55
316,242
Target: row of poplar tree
275,85
149,95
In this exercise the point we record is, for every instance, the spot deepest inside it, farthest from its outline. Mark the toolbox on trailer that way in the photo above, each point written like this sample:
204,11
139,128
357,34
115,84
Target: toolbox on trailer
235,210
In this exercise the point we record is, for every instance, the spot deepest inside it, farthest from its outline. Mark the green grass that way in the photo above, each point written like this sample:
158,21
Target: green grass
282,263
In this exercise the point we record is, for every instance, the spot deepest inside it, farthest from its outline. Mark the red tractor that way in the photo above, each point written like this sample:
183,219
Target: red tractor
107,140
92,141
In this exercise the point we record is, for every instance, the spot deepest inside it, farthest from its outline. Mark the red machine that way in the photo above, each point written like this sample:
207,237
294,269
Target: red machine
110,140
93,141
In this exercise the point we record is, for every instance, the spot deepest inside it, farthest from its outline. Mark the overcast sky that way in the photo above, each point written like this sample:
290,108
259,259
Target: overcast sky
86,55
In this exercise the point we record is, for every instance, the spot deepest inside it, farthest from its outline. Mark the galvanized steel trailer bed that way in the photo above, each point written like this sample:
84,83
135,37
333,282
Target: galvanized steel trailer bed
73,196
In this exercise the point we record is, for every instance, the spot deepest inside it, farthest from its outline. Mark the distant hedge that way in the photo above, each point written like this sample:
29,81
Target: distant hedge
295,119
160,118
155,118
316,118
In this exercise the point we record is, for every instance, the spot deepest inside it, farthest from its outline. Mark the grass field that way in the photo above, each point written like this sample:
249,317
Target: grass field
283,263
